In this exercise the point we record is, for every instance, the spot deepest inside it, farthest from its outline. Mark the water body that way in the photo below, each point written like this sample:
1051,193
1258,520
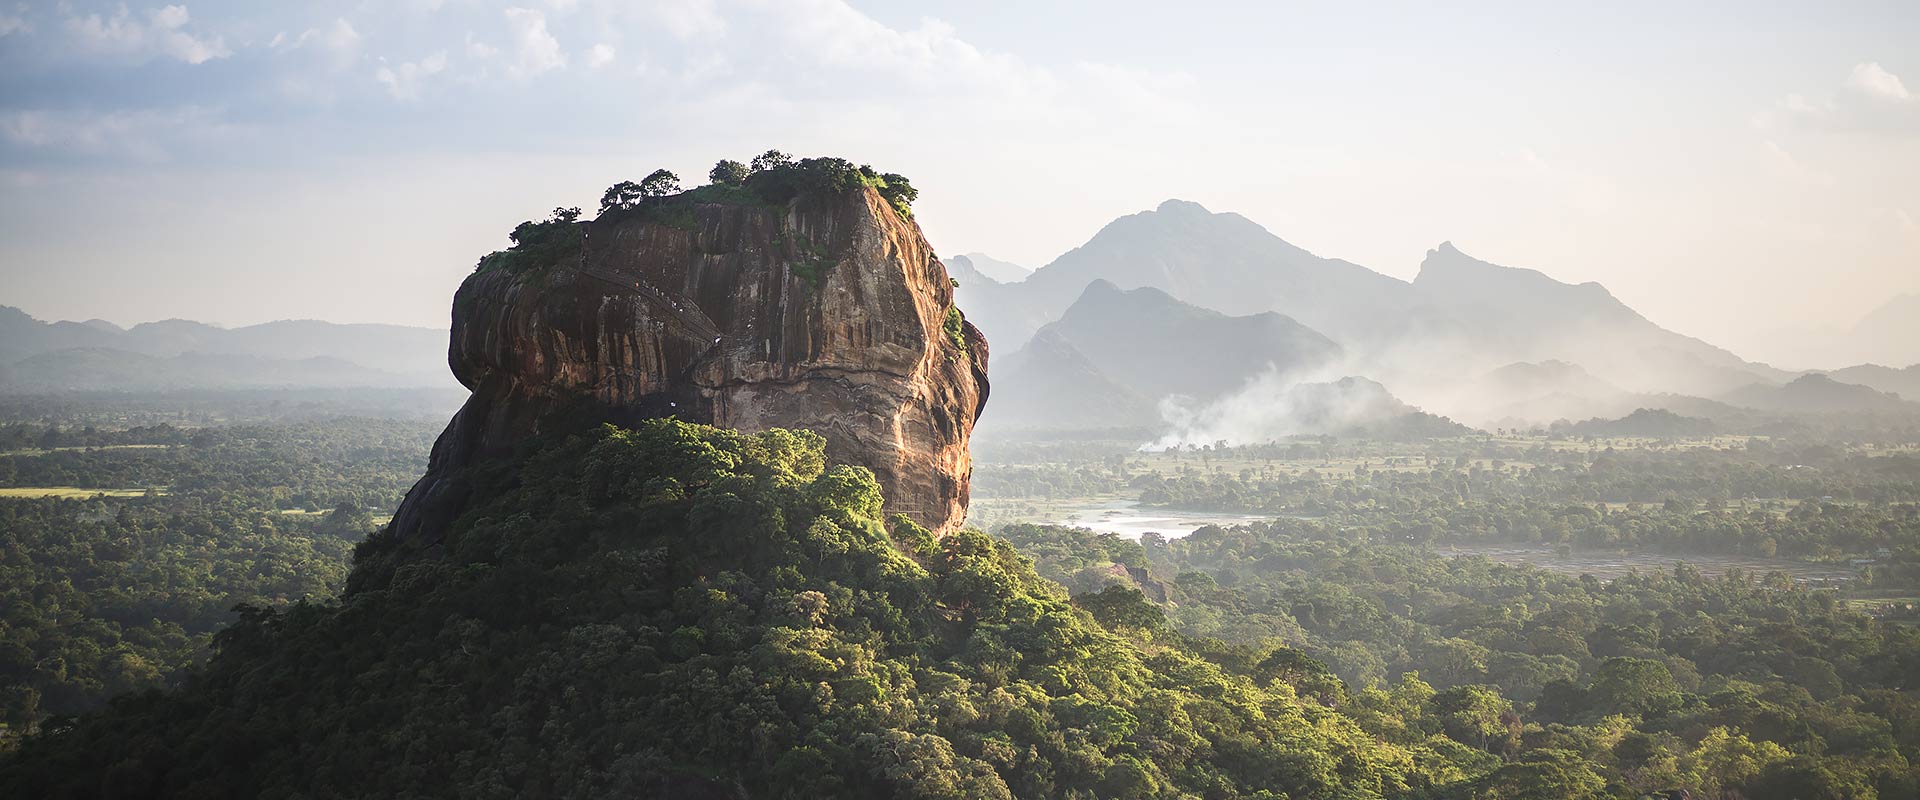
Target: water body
1130,520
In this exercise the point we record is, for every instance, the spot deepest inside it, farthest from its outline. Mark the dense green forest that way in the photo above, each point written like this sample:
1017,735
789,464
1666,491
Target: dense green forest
679,610
122,551
1737,683
684,611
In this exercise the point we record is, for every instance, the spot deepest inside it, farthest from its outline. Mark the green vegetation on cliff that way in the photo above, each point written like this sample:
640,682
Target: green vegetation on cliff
678,610
774,179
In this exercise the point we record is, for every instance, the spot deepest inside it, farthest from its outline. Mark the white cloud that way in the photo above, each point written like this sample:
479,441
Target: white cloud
479,50
689,19
1874,80
403,82
536,49
162,34
338,43
601,55
141,135
15,22
1870,99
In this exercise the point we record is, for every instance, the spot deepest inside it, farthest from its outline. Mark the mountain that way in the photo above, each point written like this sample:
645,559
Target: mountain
961,270
1889,334
1552,377
22,336
1655,422
988,267
1527,394
102,368
1524,315
1273,407
1903,382
1459,316
1223,262
291,352
1818,394
1147,340
609,600
828,313
1051,385
1121,351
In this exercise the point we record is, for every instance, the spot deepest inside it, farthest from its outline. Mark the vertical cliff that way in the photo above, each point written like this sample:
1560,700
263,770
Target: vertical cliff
828,312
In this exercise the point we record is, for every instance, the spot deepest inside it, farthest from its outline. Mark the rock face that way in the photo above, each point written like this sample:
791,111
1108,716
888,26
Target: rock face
830,313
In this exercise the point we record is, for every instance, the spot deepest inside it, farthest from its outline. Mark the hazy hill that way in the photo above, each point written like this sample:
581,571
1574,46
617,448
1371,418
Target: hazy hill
1889,334
1115,353
1526,315
1273,407
182,353
991,268
1817,394
22,335
1224,262
1524,379
1903,382
962,271
104,368
1460,316
1642,422
1049,384
1147,340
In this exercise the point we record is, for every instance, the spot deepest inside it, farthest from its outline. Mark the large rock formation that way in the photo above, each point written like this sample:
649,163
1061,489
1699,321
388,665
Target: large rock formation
829,313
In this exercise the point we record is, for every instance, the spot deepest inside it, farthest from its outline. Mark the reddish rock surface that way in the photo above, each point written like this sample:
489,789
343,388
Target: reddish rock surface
829,314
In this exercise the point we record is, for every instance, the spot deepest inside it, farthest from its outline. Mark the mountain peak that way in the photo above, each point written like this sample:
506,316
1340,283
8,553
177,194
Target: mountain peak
994,269
1447,268
1188,207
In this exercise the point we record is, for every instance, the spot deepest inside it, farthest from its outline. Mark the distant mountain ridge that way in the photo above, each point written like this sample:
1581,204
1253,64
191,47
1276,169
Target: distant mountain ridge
1904,382
104,368
1115,354
178,353
1818,394
1495,314
987,267
1459,317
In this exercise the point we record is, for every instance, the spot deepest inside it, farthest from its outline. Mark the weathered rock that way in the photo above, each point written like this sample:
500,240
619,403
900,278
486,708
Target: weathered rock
830,314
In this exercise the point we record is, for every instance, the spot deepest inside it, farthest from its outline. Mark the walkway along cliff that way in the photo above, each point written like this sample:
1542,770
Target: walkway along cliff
829,312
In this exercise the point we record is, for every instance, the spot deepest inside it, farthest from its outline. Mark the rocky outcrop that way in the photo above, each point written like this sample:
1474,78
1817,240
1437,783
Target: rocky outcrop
829,313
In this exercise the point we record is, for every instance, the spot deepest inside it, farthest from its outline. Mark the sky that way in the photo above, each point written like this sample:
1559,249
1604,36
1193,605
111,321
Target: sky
1729,169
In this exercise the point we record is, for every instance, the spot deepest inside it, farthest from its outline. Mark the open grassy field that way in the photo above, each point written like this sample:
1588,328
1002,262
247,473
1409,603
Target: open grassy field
69,492
34,451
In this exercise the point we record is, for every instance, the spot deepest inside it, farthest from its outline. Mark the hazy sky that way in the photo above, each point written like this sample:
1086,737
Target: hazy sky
1725,168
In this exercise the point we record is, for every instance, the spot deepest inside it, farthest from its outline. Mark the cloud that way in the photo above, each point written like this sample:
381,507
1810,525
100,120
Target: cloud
141,135
15,22
689,19
403,82
1870,99
339,40
536,49
479,50
601,55
162,34
1875,81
